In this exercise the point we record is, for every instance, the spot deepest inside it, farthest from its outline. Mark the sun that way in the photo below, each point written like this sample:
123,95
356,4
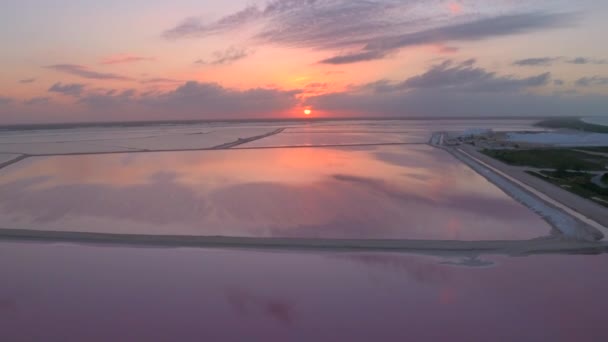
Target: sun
307,111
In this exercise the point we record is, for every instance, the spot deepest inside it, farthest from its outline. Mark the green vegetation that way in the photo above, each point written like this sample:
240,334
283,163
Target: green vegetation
577,182
568,168
601,149
572,123
556,158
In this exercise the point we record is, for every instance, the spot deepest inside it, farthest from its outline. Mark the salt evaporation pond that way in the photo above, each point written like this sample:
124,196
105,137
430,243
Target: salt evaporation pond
65,292
388,192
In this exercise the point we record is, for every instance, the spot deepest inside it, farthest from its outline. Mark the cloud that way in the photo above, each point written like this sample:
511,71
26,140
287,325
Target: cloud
37,101
337,24
371,29
447,49
160,80
227,56
439,102
317,85
190,100
471,31
27,80
543,61
592,81
547,61
315,88
85,72
462,76
124,59
457,89
107,98
212,100
355,57
193,27
585,60
72,89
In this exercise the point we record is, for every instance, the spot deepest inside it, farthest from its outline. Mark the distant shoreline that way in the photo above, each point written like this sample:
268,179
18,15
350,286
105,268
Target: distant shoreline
37,126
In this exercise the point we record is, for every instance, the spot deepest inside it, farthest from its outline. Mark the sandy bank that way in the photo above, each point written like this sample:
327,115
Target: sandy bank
572,223
552,245
577,203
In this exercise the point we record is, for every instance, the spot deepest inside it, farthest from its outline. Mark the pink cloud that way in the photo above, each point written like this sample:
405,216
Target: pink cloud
122,59
443,49
85,72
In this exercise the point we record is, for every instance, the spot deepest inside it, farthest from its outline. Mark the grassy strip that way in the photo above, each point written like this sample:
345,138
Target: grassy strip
576,182
562,159
602,149
572,123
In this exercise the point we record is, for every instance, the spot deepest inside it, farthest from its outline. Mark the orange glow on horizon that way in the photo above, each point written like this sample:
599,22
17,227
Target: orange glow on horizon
307,111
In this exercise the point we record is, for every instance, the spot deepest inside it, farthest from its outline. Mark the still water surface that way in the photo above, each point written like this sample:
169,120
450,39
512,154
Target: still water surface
411,192
57,292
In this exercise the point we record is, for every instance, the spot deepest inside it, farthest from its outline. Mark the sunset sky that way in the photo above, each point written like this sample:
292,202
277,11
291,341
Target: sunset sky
84,60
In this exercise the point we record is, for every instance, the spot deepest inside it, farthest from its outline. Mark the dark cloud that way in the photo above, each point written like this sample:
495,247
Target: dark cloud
27,80
380,86
447,102
475,30
212,100
585,60
108,98
191,100
275,11
547,61
337,24
464,76
227,56
543,61
37,101
85,72
72,89
379,26
355,57
592,81
457,89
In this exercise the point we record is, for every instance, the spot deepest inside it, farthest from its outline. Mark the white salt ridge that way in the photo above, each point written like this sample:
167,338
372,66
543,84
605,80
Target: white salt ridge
597,120
123,140
562,221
